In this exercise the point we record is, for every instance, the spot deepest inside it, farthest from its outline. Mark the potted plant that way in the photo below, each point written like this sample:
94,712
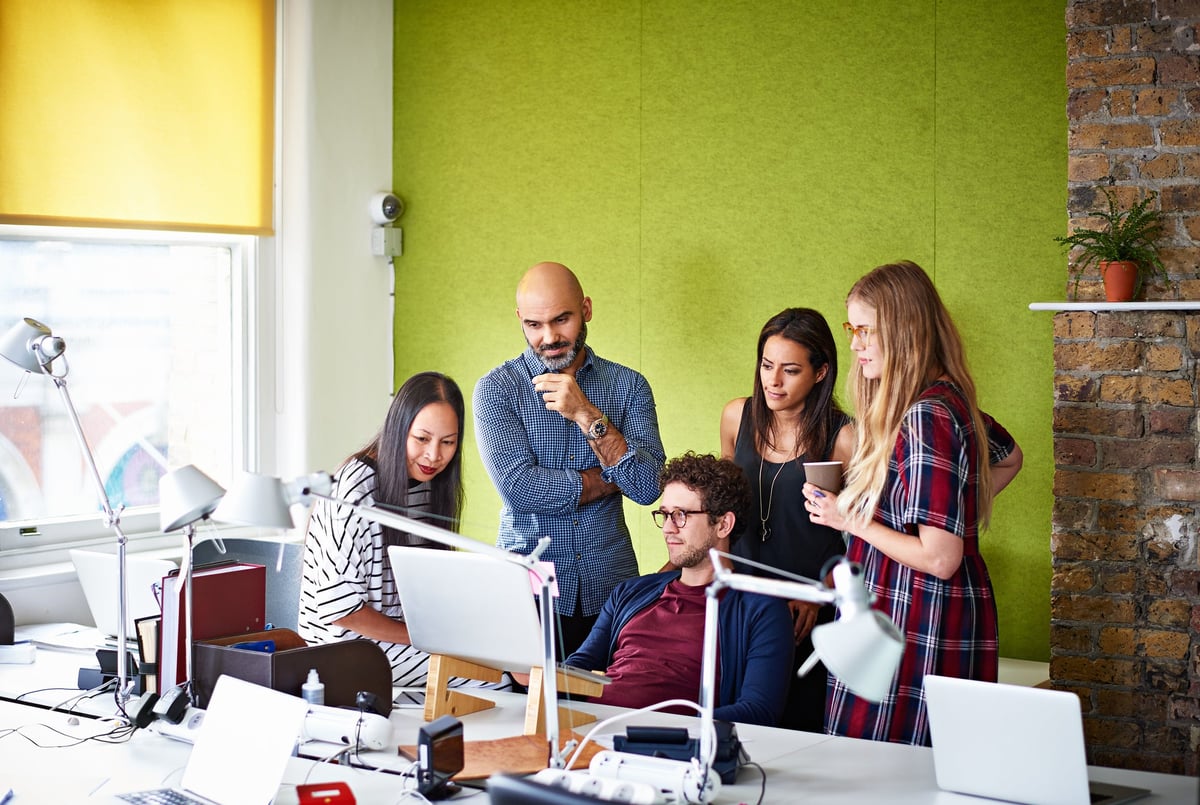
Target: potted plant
1126,248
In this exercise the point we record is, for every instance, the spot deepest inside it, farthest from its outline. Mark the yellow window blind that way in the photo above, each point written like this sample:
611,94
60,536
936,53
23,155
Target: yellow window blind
138,113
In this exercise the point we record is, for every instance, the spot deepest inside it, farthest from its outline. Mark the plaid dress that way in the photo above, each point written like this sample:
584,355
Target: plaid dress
949,626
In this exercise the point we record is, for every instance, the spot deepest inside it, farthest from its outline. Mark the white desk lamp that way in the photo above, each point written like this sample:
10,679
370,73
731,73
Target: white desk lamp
30,345
185,497
266,501
862,648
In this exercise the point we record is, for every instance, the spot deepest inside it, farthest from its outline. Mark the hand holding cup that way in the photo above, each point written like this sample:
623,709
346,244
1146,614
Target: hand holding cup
825,475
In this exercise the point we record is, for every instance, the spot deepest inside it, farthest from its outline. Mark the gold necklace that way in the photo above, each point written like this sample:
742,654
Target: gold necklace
764,517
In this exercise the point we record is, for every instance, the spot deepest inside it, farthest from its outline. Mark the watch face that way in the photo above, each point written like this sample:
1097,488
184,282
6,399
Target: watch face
598,429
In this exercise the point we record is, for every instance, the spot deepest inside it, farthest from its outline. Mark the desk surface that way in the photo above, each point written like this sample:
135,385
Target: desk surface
799,765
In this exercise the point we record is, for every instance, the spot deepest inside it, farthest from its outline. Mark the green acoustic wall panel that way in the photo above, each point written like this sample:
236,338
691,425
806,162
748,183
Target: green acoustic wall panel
702,165
1000,196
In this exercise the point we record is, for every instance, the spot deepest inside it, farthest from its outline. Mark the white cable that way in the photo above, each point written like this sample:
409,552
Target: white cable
648,709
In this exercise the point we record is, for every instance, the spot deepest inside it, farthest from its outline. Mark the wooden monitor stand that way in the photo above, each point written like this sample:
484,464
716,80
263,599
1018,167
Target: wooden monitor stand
442,700
535,711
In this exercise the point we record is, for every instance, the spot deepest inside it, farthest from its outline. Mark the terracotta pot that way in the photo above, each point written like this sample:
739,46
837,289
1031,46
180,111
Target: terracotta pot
1120,280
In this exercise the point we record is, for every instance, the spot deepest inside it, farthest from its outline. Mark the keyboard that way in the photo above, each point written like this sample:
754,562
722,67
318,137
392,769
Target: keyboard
161,796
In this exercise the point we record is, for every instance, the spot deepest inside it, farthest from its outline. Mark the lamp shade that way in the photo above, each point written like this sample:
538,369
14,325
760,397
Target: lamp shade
28,339
862,651
186,495
255,499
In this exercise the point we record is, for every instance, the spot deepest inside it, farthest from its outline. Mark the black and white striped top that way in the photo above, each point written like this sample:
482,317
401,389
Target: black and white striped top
346,567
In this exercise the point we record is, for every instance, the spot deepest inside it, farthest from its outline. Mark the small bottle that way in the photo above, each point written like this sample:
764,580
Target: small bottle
313,690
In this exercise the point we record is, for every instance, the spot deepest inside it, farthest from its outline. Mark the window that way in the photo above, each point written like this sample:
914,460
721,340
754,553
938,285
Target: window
155,335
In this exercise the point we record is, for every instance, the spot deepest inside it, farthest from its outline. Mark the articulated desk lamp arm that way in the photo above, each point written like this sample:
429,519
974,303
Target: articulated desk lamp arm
185,497
266,501
31,346
862,648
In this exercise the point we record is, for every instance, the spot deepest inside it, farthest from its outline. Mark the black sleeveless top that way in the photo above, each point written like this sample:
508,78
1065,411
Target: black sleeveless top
792,542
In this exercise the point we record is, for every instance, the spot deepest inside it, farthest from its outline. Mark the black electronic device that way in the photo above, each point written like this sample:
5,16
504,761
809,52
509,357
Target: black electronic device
106,672
141,710
368,702
674,743
7,623
439,757
172,704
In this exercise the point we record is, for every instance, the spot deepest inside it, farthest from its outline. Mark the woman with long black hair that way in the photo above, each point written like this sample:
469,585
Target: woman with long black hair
791,417
414,467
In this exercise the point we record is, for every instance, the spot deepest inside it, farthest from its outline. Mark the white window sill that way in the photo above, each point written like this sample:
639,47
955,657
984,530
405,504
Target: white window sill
55,568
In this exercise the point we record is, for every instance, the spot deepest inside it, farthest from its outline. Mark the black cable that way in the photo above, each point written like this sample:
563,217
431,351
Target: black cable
118,734
762,792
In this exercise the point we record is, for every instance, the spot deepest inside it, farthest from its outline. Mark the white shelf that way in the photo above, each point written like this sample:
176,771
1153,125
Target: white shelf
1101,307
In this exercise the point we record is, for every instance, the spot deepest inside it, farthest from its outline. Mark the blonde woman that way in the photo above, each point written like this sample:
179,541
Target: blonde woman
927,463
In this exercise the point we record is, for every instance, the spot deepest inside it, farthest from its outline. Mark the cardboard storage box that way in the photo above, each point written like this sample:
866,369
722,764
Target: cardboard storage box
345,668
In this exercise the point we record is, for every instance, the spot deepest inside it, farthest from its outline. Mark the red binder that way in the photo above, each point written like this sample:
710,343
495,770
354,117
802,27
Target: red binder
227,599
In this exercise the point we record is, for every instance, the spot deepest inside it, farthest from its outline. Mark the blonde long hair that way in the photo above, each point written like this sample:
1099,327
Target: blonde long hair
918,343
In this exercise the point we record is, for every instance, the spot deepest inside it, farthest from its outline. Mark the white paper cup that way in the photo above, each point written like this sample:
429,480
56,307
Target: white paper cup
825,475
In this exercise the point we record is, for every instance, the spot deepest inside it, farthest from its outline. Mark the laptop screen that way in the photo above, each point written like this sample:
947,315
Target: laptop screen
97,573
1009,742
474,607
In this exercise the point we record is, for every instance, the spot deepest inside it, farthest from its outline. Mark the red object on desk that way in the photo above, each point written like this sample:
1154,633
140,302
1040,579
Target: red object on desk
325,793
227,599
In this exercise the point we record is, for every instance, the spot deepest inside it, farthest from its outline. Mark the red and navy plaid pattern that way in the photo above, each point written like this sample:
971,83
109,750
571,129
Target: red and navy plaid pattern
949,626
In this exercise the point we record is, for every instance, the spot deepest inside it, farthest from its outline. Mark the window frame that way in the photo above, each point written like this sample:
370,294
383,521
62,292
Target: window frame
25,543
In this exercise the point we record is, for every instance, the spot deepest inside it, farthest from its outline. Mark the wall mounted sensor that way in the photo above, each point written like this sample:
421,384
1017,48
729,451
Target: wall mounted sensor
386,207
387,241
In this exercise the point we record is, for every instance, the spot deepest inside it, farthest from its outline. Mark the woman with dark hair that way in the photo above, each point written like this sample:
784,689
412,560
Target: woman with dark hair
412,466
791,418
927,464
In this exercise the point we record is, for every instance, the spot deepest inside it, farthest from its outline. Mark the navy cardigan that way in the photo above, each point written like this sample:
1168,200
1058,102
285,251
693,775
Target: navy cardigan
754,639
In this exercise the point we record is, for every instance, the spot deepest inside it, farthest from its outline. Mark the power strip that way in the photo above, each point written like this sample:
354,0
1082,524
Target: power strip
338,725
186,730
610,790
676,781
328,724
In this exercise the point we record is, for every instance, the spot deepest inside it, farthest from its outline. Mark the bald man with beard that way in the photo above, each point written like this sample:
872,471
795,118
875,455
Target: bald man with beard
565,435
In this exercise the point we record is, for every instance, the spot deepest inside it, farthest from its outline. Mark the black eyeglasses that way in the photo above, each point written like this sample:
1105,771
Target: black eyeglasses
862,331
678,517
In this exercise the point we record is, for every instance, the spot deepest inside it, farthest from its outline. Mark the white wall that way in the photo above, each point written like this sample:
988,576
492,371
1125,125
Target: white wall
333,308
325,307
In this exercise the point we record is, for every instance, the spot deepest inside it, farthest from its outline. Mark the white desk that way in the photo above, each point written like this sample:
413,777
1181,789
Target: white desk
799,765
52,679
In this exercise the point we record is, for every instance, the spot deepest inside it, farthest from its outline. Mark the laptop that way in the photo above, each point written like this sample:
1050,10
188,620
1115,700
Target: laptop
241,750
1013,742
97,573
473,607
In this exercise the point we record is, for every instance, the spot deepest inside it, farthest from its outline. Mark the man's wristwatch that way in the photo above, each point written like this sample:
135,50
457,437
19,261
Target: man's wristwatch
598,429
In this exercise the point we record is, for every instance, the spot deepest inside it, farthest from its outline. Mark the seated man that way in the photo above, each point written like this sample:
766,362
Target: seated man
649,636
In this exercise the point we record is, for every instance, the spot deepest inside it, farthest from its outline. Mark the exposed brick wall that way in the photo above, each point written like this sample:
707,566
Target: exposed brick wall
1133,110
1125,593
1125,597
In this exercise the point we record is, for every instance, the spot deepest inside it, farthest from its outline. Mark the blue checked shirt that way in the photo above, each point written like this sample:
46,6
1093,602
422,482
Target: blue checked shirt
534,458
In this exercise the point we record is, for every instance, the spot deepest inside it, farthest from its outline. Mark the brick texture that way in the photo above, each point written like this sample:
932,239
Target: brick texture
1125,589
1133,112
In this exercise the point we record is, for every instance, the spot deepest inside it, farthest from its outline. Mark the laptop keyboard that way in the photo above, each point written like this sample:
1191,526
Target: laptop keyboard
162,796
